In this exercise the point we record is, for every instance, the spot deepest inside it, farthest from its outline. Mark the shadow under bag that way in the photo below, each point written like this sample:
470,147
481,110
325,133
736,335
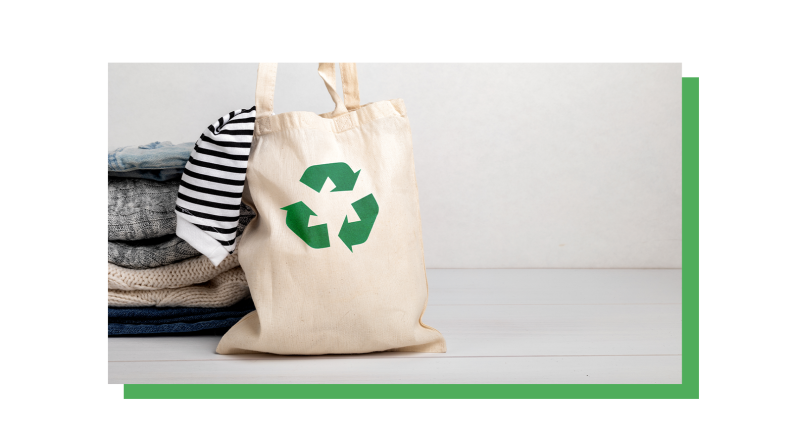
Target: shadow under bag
334,257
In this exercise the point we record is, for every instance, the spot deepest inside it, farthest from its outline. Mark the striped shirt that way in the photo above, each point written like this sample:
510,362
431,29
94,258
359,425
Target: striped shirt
210,192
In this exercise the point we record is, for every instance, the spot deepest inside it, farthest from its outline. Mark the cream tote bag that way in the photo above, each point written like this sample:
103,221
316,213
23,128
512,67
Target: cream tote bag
334,257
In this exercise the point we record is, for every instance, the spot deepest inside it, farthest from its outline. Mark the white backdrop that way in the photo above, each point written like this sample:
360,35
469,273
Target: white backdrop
518,165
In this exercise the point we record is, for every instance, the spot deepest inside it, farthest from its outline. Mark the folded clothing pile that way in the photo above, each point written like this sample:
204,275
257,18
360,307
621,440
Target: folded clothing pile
149,266
163,320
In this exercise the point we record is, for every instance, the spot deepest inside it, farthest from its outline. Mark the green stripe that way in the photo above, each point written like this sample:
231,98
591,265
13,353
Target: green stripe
690,234
406,391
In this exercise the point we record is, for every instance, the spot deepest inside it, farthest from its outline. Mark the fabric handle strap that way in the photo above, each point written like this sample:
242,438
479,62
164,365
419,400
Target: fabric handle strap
349,80
327,72
265,87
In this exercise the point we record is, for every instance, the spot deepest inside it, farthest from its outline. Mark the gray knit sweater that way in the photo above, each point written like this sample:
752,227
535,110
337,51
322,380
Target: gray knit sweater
139,209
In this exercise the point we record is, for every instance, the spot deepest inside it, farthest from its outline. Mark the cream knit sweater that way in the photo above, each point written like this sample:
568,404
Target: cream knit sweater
191,283
177,275
223,290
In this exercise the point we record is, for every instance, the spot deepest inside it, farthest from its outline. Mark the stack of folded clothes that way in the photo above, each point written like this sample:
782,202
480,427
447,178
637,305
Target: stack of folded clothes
157,282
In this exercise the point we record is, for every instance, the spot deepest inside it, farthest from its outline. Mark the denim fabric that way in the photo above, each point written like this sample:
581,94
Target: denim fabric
155,315
219,327
154,320
149,157
150,253
139,209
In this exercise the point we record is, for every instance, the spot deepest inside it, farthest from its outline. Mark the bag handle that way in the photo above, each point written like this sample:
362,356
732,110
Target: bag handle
349,80
327,72
265,87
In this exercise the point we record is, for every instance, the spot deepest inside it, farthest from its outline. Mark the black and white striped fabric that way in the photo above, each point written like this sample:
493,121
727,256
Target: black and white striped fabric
210,193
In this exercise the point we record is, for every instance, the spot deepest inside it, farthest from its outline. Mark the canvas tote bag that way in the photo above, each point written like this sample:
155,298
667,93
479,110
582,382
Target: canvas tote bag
334,257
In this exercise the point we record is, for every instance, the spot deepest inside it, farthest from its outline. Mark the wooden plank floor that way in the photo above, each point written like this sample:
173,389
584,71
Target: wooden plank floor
501,326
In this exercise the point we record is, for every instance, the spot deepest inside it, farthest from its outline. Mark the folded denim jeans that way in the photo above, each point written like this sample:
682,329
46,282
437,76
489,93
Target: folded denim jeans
153,320
139,209
155,156
168,315
214,327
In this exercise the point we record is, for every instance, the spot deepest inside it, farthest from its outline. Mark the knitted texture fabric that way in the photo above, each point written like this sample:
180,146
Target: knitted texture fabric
160,251
150,253
223,290
139,209
177,275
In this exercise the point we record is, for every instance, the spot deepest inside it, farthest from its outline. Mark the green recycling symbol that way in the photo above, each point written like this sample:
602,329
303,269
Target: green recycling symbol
352,233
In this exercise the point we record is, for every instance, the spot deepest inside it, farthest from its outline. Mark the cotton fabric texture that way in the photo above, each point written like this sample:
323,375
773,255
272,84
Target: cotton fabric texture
210,193
154,320
160,161
352,292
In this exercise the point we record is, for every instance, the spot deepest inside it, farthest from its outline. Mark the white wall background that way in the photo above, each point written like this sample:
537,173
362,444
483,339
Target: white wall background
518,165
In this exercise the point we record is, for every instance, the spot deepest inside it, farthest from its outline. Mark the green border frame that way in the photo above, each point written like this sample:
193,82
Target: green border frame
689,389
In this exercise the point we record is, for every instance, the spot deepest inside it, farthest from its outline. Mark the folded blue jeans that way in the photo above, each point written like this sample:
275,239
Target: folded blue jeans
160,161
164,320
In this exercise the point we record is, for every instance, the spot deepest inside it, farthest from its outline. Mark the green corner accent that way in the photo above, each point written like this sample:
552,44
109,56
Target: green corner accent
689,389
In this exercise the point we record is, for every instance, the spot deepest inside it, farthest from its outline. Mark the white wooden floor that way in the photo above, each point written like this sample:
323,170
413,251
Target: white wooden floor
501,326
